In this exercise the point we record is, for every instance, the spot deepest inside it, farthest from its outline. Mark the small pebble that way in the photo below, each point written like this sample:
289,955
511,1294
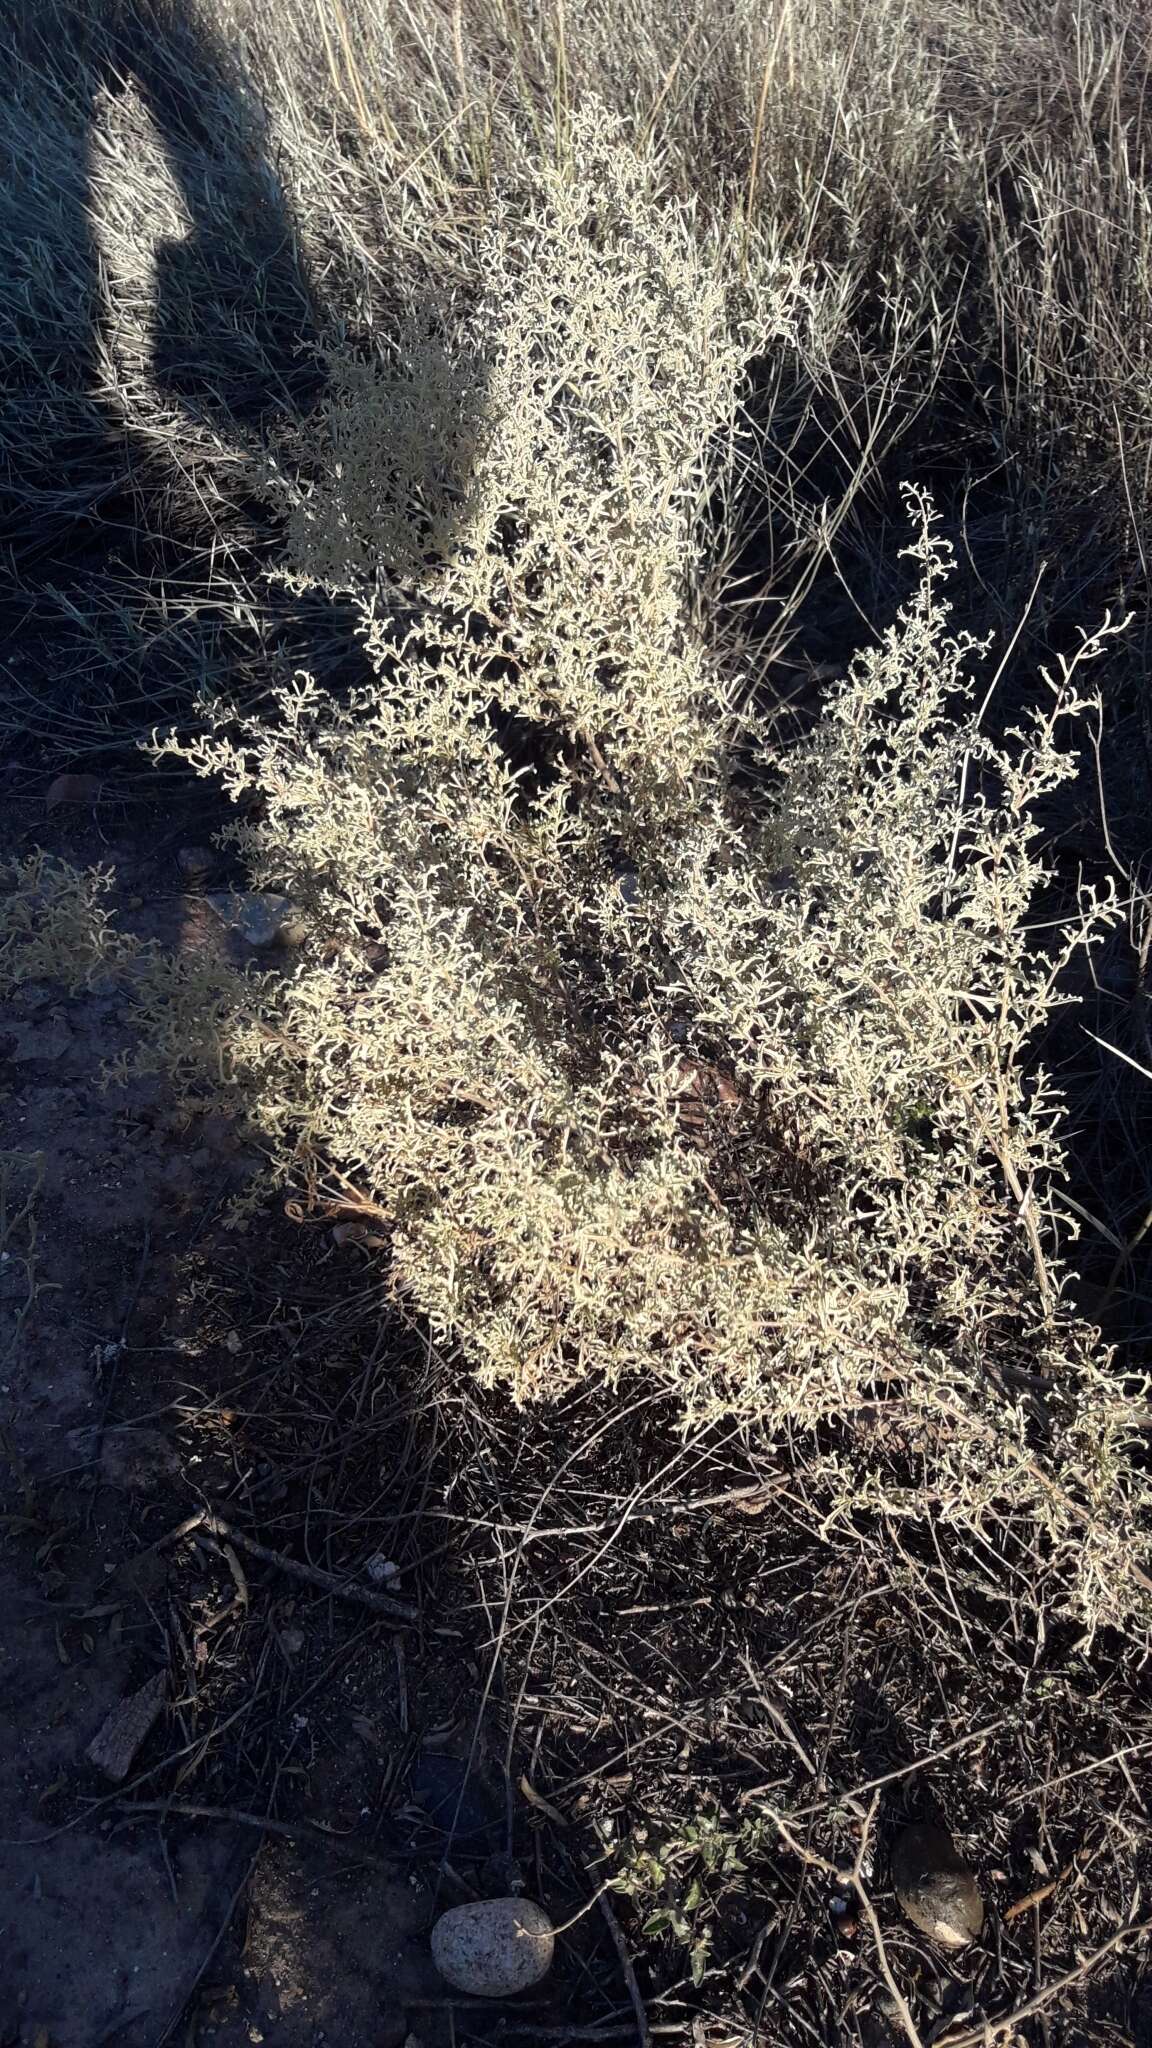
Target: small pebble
935,1886
195,861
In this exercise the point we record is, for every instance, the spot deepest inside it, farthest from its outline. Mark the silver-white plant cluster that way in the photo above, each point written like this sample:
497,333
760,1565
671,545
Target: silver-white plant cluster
655,1058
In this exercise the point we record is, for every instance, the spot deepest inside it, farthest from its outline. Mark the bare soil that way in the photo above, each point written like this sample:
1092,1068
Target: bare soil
117,1358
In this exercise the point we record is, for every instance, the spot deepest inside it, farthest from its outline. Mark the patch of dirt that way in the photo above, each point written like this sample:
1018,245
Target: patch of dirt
117,1353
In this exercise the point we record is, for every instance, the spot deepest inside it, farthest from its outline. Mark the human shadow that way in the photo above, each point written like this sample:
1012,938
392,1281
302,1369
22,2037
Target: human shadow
233,322
156,319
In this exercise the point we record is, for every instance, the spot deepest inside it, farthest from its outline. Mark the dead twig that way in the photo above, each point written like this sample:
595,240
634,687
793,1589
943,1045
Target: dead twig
561,2034
629,1974
310,1574
118,1350
1042,1892
856,1881
459,2001
779,1718
894,1991
1099,1763
869,1912
205,1963
238,1816
904,1771
985,2034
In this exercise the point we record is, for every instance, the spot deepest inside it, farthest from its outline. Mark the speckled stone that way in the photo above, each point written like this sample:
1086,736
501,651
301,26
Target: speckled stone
493,1948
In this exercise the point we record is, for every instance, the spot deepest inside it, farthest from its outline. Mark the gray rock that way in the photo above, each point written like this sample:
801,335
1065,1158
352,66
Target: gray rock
260,919
45,1039
493,1948
935,1886
195,862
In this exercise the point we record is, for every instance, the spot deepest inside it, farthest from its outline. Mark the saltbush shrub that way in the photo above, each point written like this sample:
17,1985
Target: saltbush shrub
655,1057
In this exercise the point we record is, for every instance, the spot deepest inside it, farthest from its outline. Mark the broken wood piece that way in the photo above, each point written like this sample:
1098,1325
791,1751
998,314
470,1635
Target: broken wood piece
310,1574
131,1720
1042,1892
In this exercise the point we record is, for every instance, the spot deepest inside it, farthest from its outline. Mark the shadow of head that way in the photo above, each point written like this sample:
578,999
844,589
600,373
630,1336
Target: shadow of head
234,320
140,190
160,326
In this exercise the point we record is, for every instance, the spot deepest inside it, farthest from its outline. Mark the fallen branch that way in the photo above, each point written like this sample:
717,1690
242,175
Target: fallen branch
327,1582
985,2034
629,1974
292,1831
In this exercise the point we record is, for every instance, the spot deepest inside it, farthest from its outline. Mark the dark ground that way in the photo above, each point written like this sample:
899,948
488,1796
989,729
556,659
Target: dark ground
129,1318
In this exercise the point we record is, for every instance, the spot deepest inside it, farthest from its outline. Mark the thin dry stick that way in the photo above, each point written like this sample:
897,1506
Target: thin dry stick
1123,1255
205,1962
780,1718
629,1974
1042,1892
1120,1055
669,81
984,2035
869,1912
904,1771
353,72
761,108
754,166
818,1862
328,1582
95,1455
894,1991
328,50
238,1816
572,2033
1082,1771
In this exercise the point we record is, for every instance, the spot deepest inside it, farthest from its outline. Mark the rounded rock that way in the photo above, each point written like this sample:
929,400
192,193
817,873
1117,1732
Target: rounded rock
494,1948
260,917
935,1886
195,861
